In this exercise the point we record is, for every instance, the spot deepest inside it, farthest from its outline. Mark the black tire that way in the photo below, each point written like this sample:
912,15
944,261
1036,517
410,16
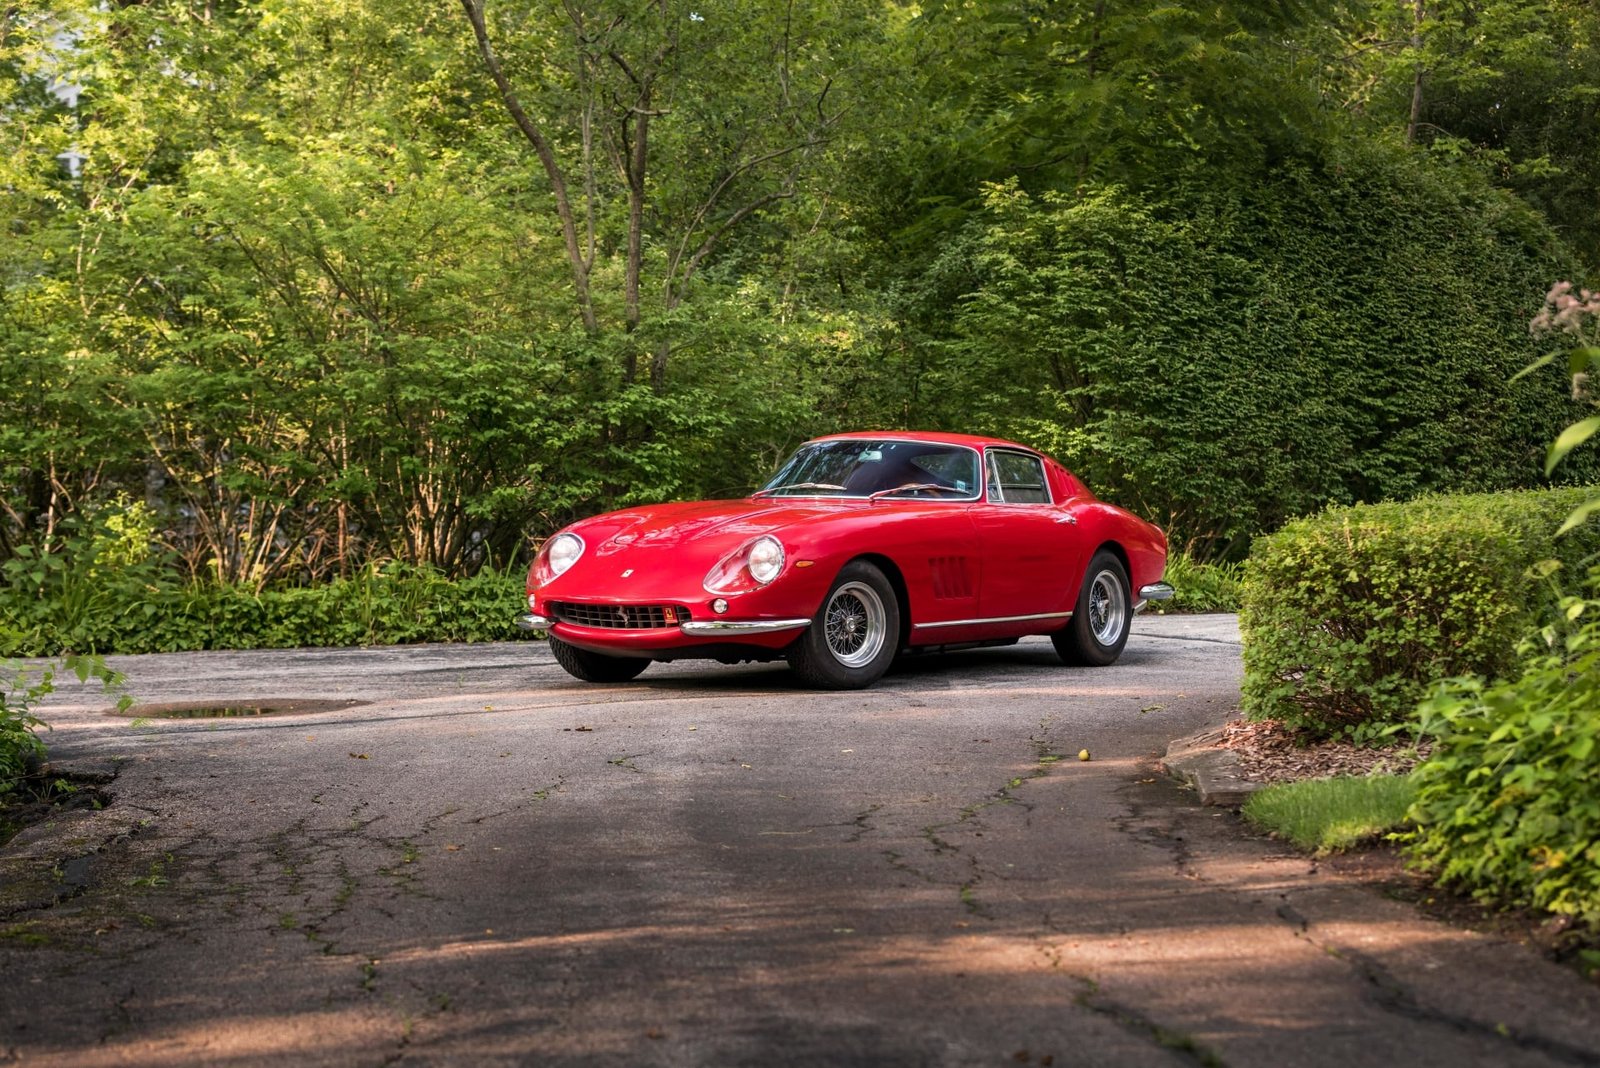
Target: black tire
855,635
1100,623
596,667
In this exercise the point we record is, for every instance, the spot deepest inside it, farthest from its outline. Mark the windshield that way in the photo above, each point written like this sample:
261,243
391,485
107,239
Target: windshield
882,468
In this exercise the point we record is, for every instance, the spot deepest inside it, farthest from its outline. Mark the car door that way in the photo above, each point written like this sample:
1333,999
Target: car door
1027,542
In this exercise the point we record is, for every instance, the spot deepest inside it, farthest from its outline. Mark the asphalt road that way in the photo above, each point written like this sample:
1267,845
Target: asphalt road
484,862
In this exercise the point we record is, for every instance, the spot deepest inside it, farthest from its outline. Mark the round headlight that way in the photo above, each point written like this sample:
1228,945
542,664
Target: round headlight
562,552
765,560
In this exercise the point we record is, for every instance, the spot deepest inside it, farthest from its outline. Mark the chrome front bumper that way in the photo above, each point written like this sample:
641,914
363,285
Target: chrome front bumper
695,628
732,628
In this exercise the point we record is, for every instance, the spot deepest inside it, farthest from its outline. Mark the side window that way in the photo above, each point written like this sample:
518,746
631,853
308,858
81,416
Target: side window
1016,478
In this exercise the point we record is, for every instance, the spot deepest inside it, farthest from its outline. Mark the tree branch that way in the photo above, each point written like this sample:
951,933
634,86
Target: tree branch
552,168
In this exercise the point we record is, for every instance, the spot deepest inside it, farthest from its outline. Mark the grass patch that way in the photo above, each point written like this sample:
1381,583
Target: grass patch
1329,815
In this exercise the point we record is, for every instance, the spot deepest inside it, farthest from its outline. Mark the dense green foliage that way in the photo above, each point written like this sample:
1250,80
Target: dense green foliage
21,688
1223,361
1508,807
1200,587
1351,615
1330,815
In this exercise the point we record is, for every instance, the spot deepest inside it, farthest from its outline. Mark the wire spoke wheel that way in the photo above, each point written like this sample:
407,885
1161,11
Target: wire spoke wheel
1100,623
855,624
854,634
1108,607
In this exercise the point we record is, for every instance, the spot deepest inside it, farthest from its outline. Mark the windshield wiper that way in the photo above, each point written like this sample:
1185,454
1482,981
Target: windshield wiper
796,486
912,486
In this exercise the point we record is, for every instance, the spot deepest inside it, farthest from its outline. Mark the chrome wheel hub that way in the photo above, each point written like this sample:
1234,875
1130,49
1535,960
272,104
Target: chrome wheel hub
854,624
1108,608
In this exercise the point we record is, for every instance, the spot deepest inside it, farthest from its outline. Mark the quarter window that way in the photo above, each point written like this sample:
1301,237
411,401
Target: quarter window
1016,478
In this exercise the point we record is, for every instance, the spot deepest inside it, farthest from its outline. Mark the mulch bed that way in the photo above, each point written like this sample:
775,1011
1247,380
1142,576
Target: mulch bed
1269,752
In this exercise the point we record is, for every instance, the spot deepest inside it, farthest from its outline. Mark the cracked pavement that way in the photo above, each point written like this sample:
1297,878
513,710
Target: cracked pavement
488,863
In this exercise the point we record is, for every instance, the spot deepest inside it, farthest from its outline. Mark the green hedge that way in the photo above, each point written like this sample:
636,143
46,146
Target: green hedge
1349,616
109,614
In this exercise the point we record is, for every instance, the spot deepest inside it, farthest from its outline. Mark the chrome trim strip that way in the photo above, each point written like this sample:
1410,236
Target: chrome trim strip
991,619
735,627
529,621
1156,591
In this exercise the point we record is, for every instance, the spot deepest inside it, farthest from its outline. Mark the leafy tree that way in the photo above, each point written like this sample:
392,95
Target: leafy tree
1510,85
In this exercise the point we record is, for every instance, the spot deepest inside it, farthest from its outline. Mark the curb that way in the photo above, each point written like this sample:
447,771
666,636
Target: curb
50,862
1212,772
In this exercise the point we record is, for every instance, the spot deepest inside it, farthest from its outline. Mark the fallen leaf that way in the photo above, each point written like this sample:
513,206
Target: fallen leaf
359,756
452,848
655,1033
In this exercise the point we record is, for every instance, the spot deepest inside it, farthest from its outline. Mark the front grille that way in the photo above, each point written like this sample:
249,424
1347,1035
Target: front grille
618,616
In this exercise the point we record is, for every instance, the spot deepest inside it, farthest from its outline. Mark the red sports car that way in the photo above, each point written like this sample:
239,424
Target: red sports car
860,548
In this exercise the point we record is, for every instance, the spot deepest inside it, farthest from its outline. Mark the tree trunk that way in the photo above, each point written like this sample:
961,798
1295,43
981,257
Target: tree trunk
547,157
1416,82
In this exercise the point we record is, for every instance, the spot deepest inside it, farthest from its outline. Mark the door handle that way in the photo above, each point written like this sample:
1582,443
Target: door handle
1067,517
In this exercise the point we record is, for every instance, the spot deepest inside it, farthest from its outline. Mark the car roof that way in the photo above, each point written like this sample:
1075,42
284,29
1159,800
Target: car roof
975,441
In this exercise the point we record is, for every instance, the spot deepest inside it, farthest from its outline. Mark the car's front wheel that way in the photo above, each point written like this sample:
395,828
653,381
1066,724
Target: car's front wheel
1099,626
855,636
595,667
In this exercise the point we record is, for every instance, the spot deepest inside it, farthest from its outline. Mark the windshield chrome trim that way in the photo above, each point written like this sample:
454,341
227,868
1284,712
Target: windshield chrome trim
910,440
990,619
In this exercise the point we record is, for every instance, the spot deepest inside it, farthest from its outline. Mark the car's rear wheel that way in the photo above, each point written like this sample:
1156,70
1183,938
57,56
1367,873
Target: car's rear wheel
855,636
1099,626
595,667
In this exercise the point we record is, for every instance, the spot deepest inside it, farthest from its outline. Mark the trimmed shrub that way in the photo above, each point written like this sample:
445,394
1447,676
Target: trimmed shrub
395,605
1508,807
1349,616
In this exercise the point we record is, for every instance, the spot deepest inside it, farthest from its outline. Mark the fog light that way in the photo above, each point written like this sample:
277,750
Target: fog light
719,606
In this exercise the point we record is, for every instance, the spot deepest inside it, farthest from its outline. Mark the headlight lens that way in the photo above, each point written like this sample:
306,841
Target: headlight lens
765,560
562,552
749,567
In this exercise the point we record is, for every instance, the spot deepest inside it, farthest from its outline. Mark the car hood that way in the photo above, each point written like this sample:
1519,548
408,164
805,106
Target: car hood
702,528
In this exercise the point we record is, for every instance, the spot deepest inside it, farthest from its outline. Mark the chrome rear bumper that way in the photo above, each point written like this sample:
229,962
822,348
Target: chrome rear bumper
1156,591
